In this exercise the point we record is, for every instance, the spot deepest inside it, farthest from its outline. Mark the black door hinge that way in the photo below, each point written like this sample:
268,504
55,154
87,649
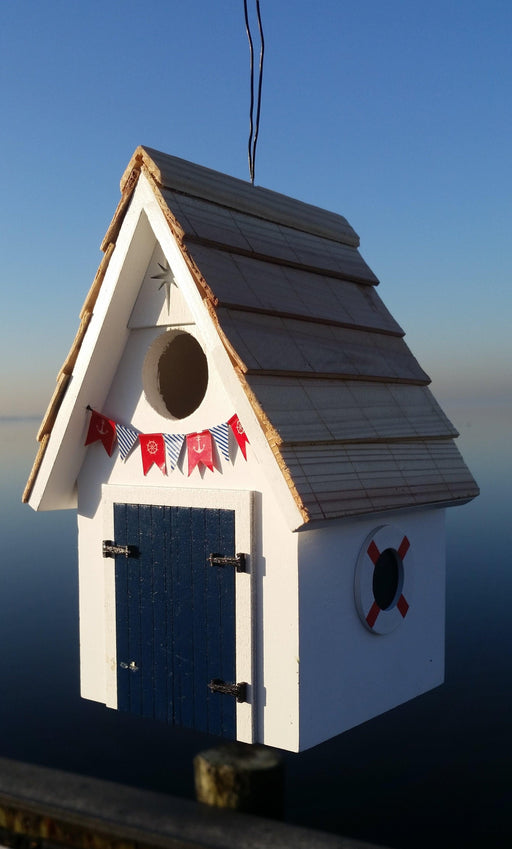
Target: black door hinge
239,561
111,549
217,685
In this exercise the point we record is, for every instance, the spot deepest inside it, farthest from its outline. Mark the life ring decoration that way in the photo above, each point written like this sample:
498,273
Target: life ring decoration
384,579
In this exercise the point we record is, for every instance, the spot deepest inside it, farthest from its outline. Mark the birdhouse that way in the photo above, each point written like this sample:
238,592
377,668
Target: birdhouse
259,468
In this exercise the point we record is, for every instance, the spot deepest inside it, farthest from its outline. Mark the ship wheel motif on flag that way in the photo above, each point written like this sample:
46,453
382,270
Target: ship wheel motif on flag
383,579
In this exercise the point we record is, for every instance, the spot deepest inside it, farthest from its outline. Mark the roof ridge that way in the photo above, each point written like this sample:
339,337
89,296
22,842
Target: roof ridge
186,177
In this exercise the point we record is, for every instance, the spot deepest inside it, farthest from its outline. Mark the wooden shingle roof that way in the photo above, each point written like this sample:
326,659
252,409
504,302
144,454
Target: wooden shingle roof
344,404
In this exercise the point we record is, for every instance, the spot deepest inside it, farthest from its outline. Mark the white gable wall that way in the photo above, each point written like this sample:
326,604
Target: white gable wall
104,343
372,673
155,306
272,592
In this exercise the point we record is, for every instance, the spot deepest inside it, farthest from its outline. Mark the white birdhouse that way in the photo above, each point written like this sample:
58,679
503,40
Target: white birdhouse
259,468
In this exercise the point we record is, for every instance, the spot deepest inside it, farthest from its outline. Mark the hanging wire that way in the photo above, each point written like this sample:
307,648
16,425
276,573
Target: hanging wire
251,107
260,83
254,125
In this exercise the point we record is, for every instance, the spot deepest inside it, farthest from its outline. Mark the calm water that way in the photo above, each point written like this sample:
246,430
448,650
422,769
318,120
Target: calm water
434,772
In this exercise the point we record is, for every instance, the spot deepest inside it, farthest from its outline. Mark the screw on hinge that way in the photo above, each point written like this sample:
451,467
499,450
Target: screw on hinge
132,666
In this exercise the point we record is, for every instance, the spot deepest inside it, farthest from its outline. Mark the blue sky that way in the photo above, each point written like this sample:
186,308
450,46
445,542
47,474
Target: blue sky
397,115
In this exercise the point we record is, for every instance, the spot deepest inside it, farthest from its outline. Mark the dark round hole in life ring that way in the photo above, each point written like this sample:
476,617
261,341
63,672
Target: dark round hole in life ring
387,578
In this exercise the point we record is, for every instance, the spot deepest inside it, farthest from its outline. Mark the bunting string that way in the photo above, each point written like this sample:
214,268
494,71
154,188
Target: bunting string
165,449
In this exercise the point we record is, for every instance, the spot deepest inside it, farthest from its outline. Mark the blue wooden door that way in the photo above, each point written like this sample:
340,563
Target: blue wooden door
175,615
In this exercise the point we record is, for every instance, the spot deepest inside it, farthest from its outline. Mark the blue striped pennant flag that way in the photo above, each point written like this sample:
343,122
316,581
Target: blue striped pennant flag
126,438
221,434
173,443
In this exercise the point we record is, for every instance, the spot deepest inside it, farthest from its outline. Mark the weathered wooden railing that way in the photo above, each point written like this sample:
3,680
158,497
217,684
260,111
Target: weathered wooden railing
43,808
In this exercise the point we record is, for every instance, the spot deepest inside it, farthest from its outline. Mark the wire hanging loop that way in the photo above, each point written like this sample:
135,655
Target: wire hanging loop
254,124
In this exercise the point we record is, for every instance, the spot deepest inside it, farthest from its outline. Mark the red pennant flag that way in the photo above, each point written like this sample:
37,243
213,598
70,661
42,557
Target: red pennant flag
239,433
103,429
200,450
152,449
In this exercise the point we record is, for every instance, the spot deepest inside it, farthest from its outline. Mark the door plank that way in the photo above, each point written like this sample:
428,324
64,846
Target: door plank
227,616
181,611
162,622
133,567
147,568
121,575
199,615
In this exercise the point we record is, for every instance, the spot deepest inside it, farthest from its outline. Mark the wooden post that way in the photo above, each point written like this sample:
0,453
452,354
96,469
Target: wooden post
243,777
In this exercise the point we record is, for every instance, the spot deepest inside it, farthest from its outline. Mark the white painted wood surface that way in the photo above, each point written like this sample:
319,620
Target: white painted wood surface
371,673
151,311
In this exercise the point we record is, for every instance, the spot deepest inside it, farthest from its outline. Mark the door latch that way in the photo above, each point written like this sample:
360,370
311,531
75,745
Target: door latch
239,561
217,685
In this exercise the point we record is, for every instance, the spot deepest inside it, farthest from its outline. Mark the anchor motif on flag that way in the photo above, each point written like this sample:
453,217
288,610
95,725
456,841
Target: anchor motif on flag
102,429
200,450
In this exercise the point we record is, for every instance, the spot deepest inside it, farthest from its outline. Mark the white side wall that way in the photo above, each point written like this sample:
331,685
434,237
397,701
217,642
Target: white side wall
349,674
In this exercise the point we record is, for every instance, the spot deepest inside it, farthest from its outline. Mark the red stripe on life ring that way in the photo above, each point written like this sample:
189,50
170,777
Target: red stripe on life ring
373,553
403,606
404,547
373,613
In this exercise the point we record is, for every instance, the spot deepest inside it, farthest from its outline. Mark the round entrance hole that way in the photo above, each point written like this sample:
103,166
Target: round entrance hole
387,578
175,374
